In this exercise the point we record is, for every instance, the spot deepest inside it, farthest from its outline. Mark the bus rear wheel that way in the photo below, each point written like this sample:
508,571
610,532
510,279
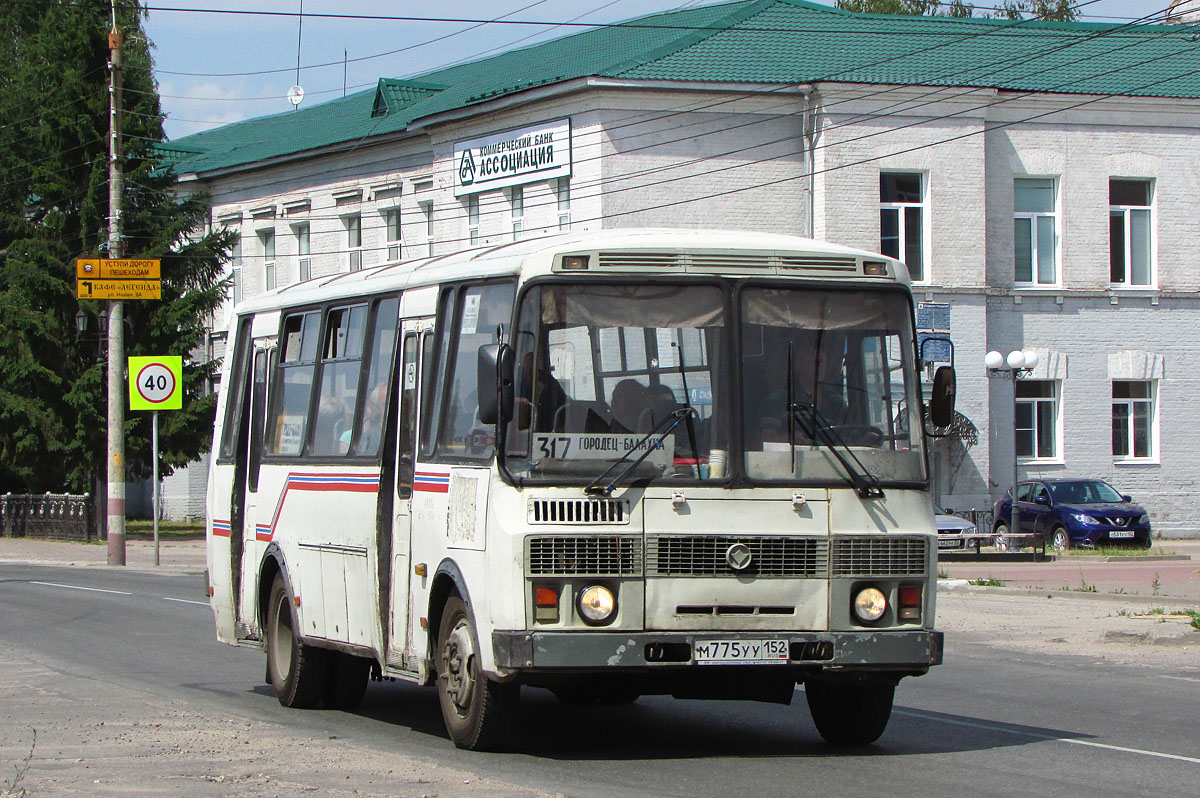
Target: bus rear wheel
850,714
477,711
297,672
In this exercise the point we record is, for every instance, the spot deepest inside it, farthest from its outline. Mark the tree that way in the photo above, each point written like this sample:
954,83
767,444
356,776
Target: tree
1057,10
53,209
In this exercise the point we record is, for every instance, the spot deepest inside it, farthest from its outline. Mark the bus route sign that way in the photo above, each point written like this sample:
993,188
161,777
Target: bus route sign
156,382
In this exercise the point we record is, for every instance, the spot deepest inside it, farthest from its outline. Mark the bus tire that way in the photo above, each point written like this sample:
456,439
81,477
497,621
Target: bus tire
850,714
477,711
296,671
346,681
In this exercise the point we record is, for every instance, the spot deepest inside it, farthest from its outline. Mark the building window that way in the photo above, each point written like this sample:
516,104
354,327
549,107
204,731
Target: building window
902,220
472,202
562,191
304,262
1132,419
353,224
391,221
266,240
235,265
1130,233
516,195
427,213
1037,419
1036,230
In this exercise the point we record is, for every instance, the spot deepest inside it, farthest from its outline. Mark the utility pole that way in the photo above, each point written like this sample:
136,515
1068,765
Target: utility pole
116,312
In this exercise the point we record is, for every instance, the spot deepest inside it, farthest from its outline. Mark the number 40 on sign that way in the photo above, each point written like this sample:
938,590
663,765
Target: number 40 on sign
156,382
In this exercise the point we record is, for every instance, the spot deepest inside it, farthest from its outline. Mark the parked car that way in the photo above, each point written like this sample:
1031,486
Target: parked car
956,533
1073,512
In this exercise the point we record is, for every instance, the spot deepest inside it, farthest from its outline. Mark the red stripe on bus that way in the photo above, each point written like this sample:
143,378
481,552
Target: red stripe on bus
432,487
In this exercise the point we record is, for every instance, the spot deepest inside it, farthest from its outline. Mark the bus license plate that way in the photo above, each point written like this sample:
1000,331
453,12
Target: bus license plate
1121,533
741,652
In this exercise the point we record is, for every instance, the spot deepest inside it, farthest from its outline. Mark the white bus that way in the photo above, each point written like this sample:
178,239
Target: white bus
608,464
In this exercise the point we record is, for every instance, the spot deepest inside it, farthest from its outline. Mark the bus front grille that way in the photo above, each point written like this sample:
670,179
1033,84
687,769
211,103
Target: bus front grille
578,511
879,556
579,555
708,555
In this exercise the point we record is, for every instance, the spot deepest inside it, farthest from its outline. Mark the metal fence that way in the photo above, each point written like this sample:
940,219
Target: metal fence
48,515
982,519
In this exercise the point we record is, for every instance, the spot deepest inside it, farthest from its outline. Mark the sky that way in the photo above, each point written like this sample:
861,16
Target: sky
215,68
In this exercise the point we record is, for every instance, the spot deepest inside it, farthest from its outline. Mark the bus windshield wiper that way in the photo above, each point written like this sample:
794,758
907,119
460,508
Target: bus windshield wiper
596,488
817,427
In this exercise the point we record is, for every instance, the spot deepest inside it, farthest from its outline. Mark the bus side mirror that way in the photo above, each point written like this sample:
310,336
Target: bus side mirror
941,402
495,374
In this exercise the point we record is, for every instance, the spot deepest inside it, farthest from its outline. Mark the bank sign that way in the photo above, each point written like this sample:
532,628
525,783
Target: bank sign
538,152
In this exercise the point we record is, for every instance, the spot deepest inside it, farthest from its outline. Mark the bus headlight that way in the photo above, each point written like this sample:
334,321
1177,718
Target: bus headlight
597,605
870,604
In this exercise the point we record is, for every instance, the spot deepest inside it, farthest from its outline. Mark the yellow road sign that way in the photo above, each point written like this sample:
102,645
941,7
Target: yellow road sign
118,268
156,382
118,289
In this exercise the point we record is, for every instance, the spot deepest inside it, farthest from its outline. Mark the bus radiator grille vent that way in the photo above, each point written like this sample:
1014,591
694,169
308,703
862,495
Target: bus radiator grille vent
639,260
879,556
578,511
596,555
820,264
707,555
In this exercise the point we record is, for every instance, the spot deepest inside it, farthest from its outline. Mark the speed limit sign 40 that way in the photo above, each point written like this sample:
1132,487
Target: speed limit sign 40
156,383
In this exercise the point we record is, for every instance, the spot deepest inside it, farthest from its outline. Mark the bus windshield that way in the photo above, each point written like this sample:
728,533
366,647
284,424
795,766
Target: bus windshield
608,372
827,372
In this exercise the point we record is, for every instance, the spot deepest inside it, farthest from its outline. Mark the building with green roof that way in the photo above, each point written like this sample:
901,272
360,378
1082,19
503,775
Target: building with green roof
1038,178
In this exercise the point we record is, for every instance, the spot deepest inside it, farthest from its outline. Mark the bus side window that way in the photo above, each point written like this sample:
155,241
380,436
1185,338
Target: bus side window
408,416
341,371
481,308
258,398
235,394
433,375
382,355
288,420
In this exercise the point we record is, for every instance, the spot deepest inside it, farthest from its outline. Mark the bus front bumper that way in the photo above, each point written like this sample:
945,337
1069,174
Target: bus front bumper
914,650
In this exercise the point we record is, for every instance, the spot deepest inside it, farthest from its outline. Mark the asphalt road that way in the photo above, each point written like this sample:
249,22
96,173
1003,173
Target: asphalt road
80,648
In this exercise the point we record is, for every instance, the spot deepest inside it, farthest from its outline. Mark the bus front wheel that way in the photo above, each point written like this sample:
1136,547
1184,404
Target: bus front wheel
297,672
478,712
849,714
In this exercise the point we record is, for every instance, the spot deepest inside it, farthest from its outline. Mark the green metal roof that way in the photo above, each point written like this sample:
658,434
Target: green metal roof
753,41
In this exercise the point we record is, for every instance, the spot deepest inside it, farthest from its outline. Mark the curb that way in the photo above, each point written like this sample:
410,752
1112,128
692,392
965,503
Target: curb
963,586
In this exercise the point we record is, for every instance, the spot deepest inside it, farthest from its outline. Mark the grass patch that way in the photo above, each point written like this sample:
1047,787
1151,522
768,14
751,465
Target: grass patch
987,581
943,573
1195,616
1116,551
180,530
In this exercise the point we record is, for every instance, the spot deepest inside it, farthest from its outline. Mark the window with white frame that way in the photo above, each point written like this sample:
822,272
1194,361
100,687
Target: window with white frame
391,222
235,265
472,203
266,241
1035,221
902,220
353,224
1036,419
1130,233
1133,419
303,252
427,215
516,196
562,193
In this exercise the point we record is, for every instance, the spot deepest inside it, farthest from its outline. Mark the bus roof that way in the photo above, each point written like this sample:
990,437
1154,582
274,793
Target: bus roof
535,256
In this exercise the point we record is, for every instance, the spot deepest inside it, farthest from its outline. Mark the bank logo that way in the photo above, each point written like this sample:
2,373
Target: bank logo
466,168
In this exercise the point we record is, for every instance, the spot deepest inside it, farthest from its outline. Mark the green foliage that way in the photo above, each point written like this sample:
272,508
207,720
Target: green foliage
53,209
1055,10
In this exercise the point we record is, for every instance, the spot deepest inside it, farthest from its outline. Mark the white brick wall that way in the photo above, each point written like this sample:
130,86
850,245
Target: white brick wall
641,157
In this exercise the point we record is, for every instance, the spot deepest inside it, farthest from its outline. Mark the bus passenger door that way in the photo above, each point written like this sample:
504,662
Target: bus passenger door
398,614
250,549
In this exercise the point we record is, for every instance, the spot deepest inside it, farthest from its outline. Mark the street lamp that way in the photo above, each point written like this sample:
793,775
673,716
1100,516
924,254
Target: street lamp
1018,365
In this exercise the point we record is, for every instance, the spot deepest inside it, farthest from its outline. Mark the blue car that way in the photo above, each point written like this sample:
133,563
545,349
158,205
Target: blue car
1073,512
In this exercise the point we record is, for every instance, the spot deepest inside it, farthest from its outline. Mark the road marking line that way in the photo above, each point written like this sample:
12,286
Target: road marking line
186,601
77,587
1181,678
1050,737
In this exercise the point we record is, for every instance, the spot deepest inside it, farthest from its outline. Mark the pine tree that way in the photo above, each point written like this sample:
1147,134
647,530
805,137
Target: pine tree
53,209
